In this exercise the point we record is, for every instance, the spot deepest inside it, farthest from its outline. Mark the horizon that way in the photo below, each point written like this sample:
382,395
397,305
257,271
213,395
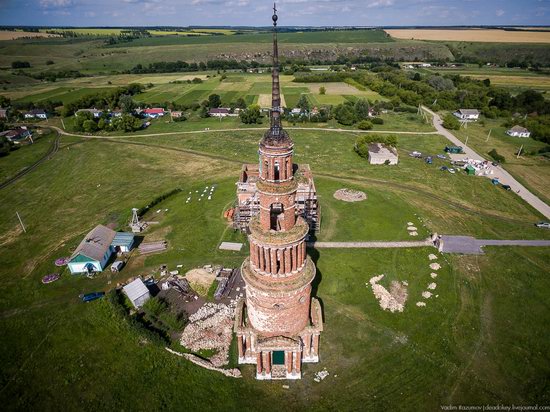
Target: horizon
294,13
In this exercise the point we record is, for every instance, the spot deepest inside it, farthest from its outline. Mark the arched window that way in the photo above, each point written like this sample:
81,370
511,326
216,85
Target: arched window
276,215
266,169
277,171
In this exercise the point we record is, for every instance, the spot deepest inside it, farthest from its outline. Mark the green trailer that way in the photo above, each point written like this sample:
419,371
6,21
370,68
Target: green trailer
470,171
454,149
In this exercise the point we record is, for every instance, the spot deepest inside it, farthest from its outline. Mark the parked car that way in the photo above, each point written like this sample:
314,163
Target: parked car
452,171
429,160
442,157
88,297
506,187
544,225
443,168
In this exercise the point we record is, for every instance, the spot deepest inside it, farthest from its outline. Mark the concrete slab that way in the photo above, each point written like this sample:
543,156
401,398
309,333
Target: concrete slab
465,245
235,247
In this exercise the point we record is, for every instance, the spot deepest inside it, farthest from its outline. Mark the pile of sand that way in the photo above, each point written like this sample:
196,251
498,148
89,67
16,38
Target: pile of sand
200,279
392,300
432,257
420,304
435,266
349,195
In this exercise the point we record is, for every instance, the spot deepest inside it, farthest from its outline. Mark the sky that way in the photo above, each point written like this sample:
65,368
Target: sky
258,12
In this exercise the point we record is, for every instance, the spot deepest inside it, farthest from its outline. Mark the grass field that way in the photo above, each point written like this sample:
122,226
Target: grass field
471,35
481,340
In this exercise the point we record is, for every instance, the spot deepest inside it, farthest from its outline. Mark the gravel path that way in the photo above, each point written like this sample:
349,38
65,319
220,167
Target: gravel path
468,245
367,245
504,177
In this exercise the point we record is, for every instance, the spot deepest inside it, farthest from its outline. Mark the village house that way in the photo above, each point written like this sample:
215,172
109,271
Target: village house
17,135
219,112
36,114
176,115
96,113
380,154
3,113
116,113
92,254
153,113
518,131
467,114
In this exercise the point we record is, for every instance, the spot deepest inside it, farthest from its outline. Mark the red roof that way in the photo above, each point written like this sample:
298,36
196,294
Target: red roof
153,111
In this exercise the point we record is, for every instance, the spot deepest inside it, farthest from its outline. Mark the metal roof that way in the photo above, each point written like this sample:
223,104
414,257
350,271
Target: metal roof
123,239
96,243
136,289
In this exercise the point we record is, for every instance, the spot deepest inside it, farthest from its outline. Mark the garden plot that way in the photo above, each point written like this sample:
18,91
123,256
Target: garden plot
264,100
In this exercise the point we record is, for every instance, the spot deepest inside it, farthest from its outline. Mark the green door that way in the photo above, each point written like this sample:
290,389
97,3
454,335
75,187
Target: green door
278,357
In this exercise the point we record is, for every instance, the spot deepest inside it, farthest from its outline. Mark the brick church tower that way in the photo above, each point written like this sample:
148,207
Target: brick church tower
278,323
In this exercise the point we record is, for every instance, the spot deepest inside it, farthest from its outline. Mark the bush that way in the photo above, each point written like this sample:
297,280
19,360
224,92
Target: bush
364,125
377,120
362,143
451,122
345,114
20,65
497,157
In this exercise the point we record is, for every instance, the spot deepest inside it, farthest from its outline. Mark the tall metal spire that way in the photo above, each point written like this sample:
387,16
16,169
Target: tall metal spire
275,88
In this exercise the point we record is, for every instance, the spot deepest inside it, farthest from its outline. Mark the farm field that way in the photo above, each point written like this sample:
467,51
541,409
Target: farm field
471,35
14,35
460,345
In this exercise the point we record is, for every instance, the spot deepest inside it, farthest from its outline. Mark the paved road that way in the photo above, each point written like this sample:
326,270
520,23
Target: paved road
468,245
368,245
504,177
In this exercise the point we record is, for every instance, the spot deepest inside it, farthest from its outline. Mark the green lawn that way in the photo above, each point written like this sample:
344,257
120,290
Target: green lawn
481,340
23,157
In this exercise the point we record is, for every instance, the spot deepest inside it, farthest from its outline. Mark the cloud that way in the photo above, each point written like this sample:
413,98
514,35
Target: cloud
380,3
55,4
499,12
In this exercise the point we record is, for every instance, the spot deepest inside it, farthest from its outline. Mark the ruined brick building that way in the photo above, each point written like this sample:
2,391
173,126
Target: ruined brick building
278,323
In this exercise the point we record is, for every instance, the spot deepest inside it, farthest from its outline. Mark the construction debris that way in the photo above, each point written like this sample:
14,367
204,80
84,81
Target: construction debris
392,300
231,373
349,195
435,266
319,376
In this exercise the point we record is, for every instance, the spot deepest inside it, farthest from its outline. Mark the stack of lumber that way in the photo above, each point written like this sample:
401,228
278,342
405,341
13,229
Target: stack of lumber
152,247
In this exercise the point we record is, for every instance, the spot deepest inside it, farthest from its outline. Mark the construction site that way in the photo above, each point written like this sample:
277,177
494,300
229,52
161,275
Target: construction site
248,201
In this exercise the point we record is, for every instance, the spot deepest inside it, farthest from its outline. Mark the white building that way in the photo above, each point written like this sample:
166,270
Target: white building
36,114
518,131
92,254
380,154
470,115
137,292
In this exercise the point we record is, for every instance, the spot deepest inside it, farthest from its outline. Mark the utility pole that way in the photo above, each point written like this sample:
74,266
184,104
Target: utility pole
21,222
488,135
519,152
63,123
466,142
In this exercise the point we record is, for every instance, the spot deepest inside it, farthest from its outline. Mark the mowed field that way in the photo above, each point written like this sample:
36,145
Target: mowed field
471,35
253,88
13,35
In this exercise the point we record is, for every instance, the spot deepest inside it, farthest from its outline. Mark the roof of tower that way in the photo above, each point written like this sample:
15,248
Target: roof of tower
275,136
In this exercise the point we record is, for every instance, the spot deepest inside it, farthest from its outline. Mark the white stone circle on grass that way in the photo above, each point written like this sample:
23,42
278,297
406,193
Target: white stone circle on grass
350,195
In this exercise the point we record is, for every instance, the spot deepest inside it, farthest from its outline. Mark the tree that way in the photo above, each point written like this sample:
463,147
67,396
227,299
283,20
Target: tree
451,122
322,90
4,146
440,83
89,126
251,115
362,109
214,101
240,103
303,103
126,123
20,65
204,112
126,104
4,101
345,114
364,125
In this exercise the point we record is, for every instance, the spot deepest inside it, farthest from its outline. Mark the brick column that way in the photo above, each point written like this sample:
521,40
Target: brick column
297,362
273,261
282,261
253,254
288,361
267,256
288,261
240,346
315,344
259,363
261,258
304,252
307,345
300,256
267,361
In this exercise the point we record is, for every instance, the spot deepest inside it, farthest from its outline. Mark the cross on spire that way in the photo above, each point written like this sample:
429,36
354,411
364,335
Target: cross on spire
275,88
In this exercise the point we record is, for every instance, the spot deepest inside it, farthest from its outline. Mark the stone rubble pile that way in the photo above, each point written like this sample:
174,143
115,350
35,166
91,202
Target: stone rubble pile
211,328
319,376
392,300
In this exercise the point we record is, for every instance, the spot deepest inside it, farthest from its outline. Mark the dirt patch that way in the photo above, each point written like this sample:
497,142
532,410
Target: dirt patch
264,101
10,236
14,35
200,279
350,195
392,300
474,35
